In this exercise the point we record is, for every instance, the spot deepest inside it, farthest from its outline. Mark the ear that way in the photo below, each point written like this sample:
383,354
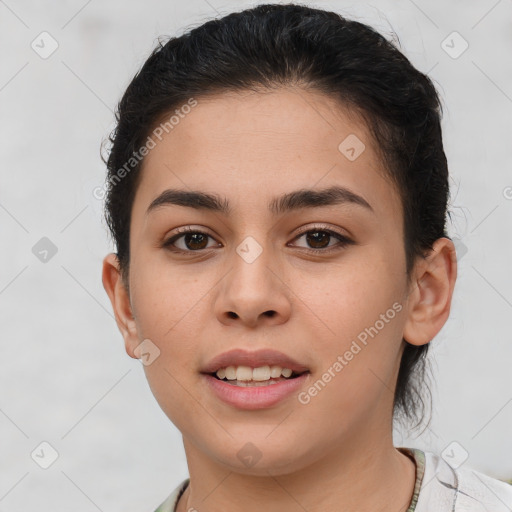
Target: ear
430,296
120,299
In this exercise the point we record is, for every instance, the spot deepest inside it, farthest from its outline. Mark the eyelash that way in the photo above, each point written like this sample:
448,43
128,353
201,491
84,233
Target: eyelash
343,240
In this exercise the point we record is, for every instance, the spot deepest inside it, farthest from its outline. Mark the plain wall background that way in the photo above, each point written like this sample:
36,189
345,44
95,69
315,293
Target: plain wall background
64,376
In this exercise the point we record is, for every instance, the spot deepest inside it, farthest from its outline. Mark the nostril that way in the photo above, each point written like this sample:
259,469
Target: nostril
231,314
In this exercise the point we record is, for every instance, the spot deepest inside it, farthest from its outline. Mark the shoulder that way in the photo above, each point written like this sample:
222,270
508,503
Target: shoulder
460,489
169,505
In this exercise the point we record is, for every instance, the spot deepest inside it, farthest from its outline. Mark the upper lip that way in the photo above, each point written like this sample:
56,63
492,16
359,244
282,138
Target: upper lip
255,359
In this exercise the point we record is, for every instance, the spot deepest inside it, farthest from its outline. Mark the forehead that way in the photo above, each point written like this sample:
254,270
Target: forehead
252,145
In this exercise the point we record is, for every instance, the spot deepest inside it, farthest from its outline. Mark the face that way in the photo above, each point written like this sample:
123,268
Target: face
318,277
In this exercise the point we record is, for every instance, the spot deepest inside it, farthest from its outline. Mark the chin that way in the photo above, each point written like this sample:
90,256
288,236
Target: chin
260,458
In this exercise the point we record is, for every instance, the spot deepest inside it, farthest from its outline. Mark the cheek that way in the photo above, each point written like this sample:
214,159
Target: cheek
345,299
357,330
171,308
169,302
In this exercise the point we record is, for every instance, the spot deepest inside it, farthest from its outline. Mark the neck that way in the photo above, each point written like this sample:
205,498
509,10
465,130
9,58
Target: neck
372,475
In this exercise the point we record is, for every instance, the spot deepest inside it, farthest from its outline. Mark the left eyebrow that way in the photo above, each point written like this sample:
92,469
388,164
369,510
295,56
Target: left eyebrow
306,198
291,201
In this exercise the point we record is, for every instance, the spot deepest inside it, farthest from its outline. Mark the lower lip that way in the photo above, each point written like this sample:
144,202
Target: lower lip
255,397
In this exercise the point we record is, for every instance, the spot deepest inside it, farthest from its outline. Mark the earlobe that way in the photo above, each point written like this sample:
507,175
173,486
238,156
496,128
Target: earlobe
120,299
430,298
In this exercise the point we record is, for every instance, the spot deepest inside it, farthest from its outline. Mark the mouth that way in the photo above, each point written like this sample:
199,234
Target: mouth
246,376
254,380
255,394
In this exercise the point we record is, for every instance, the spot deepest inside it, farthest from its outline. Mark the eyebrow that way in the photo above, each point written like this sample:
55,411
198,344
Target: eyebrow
291,201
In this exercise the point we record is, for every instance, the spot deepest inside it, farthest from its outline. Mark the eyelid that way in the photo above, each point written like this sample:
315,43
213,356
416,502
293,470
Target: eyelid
321,227
179,232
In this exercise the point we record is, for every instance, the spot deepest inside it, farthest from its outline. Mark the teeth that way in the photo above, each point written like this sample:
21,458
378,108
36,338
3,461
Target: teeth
243,373
259,374
252,384
275,371
230,373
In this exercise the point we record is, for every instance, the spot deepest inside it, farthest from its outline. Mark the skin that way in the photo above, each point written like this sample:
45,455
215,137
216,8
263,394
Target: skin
248,148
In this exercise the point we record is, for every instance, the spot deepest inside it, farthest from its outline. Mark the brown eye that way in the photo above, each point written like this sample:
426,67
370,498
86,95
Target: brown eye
319,240
188,240
195,241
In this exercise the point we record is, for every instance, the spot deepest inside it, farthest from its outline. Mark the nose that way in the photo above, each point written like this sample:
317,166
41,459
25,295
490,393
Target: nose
253,293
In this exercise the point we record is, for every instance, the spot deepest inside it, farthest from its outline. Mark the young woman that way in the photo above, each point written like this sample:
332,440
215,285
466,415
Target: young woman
277,193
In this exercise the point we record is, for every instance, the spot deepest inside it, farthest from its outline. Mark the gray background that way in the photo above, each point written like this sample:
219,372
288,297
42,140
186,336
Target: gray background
64,376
